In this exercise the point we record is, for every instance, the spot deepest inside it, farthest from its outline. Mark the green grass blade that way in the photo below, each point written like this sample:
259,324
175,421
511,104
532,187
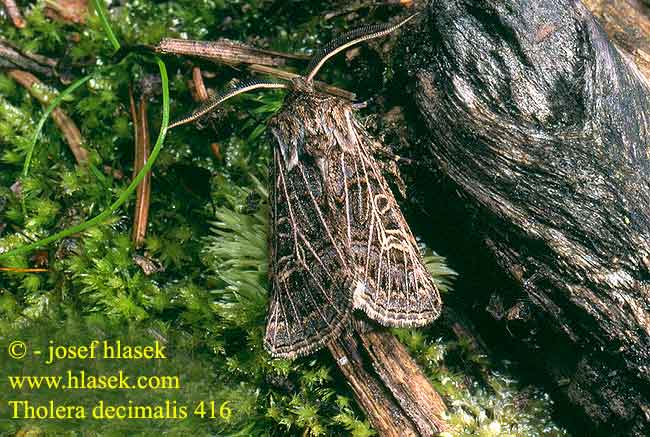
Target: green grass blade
48,111
99,8
129,190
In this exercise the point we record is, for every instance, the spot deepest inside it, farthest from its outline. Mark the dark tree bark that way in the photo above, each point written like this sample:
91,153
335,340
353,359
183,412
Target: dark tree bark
538,130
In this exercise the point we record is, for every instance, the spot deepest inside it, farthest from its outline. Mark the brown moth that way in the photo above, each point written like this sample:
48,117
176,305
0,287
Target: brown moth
338,240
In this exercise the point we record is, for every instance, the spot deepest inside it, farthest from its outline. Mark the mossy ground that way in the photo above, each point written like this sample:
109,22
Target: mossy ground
207,228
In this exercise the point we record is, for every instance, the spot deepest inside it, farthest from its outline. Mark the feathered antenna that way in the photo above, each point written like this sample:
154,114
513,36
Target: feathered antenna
349,39
216,100
332,48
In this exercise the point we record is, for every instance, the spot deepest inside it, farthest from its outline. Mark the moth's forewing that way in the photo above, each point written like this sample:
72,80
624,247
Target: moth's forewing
309,273
392,286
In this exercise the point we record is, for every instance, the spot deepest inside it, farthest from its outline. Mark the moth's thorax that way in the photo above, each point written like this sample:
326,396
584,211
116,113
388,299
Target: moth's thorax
312,124
300,84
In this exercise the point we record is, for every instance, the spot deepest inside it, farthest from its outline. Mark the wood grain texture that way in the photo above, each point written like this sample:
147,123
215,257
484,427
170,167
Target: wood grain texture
405,380
627,22
539,130
383,412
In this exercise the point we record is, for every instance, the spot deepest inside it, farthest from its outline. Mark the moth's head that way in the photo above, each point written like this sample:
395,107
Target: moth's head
301,84
304,101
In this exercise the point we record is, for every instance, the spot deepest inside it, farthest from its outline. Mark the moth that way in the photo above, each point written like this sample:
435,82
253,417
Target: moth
338,239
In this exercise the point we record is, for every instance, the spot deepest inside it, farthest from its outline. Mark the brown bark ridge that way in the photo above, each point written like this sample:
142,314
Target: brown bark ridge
401,374
538,130
388,385
383,412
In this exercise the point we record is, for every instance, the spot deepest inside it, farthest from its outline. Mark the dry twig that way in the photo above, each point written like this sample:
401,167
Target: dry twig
14,13
142,150
12,57
224,51
70,11
199,86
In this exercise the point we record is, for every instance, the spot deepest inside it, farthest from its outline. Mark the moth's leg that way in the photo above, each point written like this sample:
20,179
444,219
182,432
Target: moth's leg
388,155
361,105
388,164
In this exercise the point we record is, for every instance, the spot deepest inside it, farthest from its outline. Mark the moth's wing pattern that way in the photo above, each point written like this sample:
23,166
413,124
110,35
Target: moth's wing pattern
392,285
309,272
